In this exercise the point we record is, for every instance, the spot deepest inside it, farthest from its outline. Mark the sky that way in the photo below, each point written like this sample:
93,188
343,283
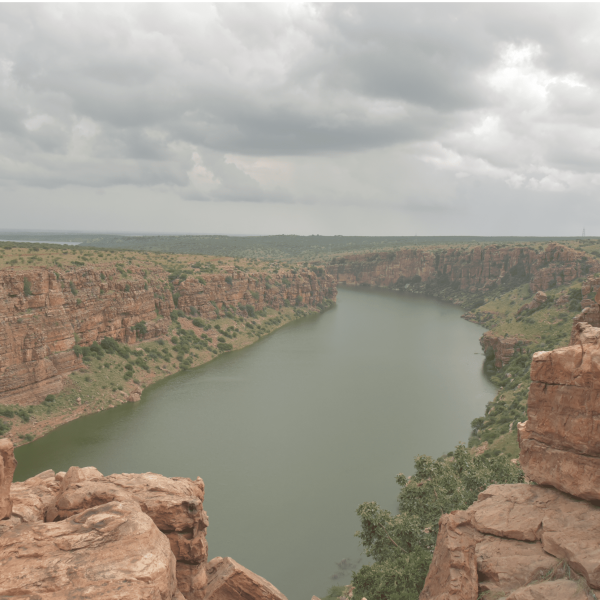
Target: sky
297,118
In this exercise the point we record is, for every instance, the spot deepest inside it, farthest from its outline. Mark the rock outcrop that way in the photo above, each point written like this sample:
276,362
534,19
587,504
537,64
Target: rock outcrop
475,269
538,301
517,541
44,313
81,534
8,465
504,348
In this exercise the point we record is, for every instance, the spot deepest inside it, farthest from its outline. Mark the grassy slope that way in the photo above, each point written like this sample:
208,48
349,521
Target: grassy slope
107,379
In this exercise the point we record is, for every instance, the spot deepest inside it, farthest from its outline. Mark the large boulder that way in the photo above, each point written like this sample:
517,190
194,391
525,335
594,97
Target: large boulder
512,536
174,504
8,464
228,580
109,552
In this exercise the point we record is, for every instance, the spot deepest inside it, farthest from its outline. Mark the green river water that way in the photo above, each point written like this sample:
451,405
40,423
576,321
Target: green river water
292,433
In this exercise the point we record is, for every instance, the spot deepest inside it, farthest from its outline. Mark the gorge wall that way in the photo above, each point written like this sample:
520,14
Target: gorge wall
45,313
471,270
536,542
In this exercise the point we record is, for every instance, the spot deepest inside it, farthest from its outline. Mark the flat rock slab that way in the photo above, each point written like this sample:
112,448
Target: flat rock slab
562,589
110,552
228,580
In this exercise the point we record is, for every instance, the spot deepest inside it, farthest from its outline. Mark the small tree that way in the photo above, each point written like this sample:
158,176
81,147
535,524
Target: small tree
26,287
140,330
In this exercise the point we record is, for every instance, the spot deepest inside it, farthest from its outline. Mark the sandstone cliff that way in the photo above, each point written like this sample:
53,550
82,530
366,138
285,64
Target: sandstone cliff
80,534
475,269
530,542
45,313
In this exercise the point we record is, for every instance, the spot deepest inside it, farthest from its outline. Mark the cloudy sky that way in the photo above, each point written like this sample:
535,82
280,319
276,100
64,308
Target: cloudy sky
356,119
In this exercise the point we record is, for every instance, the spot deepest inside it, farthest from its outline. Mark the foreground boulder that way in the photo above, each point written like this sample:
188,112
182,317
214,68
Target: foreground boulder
126,536
112,552
228,580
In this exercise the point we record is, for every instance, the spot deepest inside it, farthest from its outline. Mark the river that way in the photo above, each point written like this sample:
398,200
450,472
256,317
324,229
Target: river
292,433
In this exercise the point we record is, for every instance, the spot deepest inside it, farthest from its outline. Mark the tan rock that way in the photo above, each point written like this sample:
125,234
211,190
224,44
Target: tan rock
191,580
32,497
561,589
8,464
110,552
228,580
505,565
453,570
567,471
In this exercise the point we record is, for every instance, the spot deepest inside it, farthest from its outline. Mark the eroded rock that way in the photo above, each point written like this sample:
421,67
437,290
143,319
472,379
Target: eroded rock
228,580
109,552
8,464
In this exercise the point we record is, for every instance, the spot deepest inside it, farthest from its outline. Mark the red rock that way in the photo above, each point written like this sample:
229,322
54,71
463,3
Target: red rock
38,332
228,580
505,565
110,552
561,589
538,300
8,464
453,570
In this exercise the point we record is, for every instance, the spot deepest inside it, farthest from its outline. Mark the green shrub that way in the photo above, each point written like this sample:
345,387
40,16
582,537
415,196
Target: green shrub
73,288
402,545
4,427
224,347
176,296
198,323
254,295
50,398
250,310
26,287
140,330
298,300
229,280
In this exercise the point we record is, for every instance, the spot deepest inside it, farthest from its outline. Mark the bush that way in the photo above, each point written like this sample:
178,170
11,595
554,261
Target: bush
176,296
73,288
224,347
50,398
26,287
402,545
140,330
229,280
198,323
250,310
298,300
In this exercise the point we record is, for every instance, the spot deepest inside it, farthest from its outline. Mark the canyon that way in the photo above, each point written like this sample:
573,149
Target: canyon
470,270
537,540
45,313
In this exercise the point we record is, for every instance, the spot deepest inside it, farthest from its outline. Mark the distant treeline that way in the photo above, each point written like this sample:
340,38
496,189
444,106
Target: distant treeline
271,247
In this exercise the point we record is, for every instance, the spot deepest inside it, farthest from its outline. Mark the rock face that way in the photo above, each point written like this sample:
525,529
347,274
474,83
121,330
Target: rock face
560,442
516,536
126,536
470,270
39,327
8,465
504,348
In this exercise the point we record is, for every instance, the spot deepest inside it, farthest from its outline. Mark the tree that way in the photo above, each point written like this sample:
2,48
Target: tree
402,545
140,329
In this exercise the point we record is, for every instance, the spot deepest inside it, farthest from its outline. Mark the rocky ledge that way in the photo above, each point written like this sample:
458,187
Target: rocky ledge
539,540
81,534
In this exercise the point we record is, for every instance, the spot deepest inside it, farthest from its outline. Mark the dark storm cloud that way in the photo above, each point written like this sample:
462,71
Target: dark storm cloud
339,103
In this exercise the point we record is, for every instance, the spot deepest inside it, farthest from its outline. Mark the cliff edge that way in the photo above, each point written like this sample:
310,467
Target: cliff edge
536,541
127,536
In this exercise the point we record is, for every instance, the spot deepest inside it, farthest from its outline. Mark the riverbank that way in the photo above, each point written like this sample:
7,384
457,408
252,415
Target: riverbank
85,330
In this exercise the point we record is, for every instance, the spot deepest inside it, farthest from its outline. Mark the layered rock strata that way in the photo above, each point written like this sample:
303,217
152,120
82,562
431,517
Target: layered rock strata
472,270
515,541
126,536
45,313
504,348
